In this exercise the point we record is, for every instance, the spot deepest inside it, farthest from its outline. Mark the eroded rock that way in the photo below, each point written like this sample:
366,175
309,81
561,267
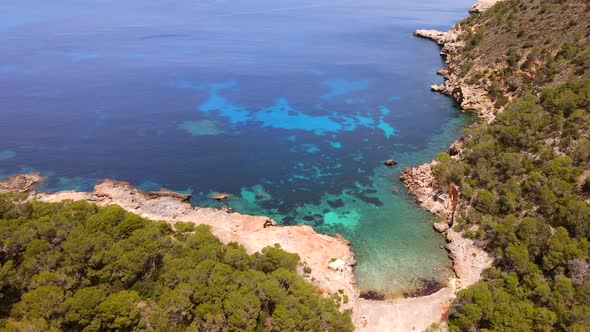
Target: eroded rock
439,37
220,196
457,147
169,193
482,5
20,183
469,260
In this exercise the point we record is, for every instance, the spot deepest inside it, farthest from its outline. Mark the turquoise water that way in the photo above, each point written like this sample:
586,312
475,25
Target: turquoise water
290,106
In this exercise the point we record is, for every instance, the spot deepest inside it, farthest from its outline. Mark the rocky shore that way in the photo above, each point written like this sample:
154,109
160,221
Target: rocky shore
469,260
316,251
470,97
255,232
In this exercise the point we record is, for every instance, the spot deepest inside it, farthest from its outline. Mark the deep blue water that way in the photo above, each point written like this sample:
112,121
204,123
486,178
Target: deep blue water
290,106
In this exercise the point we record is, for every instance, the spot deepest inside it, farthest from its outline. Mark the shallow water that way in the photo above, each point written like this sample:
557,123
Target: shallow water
290,106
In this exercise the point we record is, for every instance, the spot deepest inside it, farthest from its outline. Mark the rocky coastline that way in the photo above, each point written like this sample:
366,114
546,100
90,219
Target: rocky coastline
469,260
470,97
316,251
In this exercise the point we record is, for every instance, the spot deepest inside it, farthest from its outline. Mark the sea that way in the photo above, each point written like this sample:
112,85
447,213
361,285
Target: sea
290,107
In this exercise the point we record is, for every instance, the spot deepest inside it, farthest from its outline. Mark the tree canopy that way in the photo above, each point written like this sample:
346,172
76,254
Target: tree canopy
525,199
74,266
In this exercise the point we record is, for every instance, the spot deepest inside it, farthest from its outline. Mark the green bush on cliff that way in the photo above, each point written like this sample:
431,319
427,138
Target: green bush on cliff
74,266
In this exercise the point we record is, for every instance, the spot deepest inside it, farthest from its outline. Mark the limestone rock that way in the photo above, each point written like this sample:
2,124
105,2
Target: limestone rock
439,37
482,5
169,193
437,87
20,183
470,97
422,183
220,196
457,147
441,227
469,260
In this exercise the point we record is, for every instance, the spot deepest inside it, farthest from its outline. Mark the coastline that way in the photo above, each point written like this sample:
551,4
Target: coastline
316,250
253,232
469,260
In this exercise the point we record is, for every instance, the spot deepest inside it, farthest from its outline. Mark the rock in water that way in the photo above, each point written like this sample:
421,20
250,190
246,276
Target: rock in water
20,183
220,196
390,162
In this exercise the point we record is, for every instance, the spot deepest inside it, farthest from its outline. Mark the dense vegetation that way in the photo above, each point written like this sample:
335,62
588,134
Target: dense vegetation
77,267
526,199
525,178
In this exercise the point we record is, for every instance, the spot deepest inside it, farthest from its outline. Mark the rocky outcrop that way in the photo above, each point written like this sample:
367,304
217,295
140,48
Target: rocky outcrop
439,37
20,183
457,147
470,97
253,232
220,196
482,5
469,260
169,193
422,184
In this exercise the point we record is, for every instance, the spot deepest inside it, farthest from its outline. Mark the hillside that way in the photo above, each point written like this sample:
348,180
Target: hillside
518,46
513,48
523,171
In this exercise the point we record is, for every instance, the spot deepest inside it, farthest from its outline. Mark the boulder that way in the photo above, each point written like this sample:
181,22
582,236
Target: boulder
437,87
441,226
337,265
220,196
390,162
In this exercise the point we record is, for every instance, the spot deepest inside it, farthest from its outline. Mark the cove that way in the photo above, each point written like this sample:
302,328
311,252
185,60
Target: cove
290,106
